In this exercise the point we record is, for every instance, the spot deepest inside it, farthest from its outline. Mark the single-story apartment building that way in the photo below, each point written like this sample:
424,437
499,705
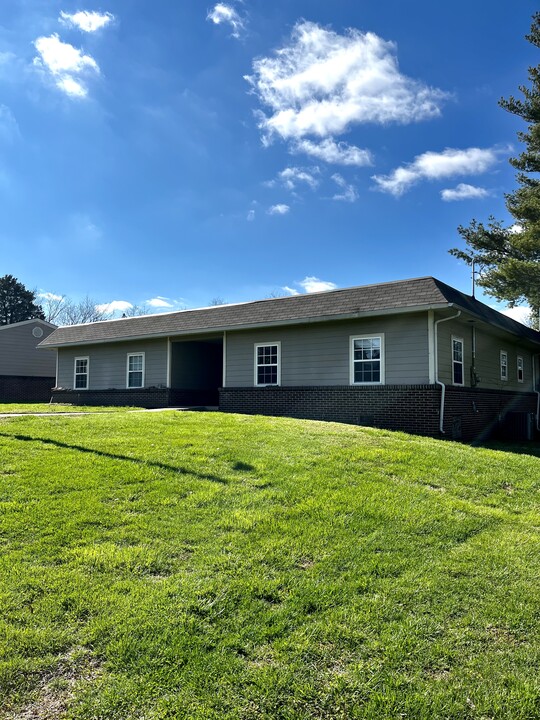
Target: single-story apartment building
26,373
414,355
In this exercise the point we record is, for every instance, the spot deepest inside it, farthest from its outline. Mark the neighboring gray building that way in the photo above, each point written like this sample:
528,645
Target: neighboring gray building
26,373
415,355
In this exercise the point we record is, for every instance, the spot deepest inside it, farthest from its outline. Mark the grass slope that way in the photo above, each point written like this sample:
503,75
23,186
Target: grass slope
29,408
191,565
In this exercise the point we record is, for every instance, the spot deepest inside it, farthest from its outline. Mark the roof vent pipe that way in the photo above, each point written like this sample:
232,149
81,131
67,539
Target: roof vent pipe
443,386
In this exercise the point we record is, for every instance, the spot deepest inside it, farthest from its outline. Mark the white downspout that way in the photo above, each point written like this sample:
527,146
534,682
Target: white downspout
439,382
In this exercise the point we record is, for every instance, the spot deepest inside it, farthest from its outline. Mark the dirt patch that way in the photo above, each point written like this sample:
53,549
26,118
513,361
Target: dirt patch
56,689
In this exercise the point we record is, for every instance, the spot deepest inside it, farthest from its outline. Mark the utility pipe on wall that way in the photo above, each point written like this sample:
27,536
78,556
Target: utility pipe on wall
439,382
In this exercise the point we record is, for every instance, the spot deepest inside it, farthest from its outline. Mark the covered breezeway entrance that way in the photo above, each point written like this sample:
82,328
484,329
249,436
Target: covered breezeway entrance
196,371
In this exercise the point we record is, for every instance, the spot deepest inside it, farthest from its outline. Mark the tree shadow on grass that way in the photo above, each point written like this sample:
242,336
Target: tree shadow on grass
113,456
531,447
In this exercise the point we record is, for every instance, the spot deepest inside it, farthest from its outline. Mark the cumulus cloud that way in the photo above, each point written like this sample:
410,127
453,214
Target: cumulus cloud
279,209
86,20
290,290
332,152
348,192
65,63
291,177
44,295
521,313
311,284
436,166
160,302
321,83
250,217
464,192
114,306
222,13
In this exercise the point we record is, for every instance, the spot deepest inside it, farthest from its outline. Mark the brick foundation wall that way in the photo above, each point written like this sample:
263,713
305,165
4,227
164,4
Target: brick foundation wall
477,414
470,413
23,389
138,397
192,398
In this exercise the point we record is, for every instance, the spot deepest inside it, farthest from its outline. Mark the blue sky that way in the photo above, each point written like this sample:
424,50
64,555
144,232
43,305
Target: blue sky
169,153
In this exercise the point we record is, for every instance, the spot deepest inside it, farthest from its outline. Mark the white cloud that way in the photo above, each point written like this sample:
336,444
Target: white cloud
50,296
250,217
291,177
334,153
521,314
278,209
463,192
436,166
114,306
321,83
290,290
85,20
160,302
515,229
71,87
63,62
222,13
348,193
313,284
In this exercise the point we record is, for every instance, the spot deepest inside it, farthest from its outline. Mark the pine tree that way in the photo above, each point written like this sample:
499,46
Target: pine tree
16,302
508,258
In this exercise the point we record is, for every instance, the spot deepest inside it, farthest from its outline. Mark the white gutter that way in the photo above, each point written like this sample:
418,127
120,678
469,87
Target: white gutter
439,382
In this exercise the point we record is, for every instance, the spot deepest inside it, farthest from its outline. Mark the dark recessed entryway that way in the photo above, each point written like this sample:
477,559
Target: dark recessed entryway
196,371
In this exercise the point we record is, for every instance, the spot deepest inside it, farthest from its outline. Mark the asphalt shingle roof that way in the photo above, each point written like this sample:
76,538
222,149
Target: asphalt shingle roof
365,299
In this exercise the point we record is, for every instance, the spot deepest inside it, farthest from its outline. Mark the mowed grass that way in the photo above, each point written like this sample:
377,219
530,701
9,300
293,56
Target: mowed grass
29,408
200,565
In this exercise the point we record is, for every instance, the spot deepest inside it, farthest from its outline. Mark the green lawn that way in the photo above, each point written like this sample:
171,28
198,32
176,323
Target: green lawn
200,565
27,408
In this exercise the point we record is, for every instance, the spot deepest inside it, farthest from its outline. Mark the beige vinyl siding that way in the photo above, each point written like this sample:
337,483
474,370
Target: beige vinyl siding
488,347
19,354
319,353
108,364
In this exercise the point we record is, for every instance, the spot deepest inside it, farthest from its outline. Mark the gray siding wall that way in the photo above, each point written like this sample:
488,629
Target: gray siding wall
108,363
318,354
19,354
488,347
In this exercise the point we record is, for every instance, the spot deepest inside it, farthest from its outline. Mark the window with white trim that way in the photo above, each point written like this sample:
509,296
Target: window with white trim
135,370
367,360
520,369
80,379
267,363
457,361
504,365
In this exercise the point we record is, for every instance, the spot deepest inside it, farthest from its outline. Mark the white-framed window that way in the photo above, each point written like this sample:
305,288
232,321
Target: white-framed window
458,377
268,363
80,373
135,370
520,369
367,360
504,365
